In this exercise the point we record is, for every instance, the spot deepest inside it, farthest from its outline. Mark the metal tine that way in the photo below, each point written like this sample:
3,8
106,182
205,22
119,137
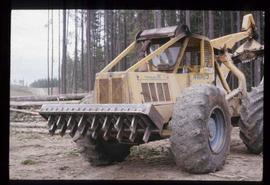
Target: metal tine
95,127
132,136
69,121
73,129
63,129
146,134
133,125
53,127
85,128
120,133
107,129
93,123
94,134
49,120
144,121
140,122
80,121
106,135
118,123
133,129
127,121
59,120
106,124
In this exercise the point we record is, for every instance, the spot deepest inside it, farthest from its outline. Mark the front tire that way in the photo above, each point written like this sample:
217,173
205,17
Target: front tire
99,152
201,127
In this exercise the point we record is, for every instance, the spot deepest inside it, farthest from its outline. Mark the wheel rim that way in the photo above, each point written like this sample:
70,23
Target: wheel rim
216,130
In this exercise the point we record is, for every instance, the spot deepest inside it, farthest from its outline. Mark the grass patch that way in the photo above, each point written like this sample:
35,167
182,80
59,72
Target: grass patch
29,162
72,153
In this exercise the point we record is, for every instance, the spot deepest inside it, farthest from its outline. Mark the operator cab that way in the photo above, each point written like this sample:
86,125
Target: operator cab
197,52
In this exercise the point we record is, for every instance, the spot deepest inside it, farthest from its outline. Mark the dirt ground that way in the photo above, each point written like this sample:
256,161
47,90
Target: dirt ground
36,155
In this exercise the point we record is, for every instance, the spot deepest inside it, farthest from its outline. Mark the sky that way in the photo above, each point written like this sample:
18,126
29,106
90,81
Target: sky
29,45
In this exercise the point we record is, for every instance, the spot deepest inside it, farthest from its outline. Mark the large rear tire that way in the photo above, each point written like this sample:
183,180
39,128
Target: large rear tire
251,123
99,152
201,127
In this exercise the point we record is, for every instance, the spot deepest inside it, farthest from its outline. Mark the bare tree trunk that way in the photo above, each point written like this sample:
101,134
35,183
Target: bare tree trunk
48,54
125,39
232,21
52,58
171,18
59,53
76,53
93,51
233,78
187,18
82,50
157,18
88,49
203,22
211,24
64,55
162,18
222,23
112,34
106,39
187,21
257,65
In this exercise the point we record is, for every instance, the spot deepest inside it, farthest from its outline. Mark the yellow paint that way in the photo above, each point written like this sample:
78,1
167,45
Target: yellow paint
177,82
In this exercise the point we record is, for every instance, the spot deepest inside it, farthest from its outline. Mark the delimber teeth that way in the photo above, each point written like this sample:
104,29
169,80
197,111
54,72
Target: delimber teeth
69,122
73,130
63,129
118,124
94,127
106,124
105,135
85,128
106,127
80,121
120,133
133,125
146,134
49,120
94,123
132,136
58,121
94,135
53,127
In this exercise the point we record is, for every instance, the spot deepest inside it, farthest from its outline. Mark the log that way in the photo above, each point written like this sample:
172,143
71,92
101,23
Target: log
24,111
61,97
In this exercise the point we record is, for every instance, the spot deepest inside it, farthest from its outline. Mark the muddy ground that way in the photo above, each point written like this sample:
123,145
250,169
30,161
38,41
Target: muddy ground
36,155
